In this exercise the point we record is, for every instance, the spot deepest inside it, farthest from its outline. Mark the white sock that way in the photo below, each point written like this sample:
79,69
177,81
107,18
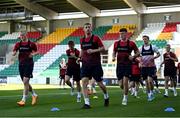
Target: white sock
166,91
133,89
135,93
33,93
90,87
87,101
24,98
94,90
151,92
125,97
174,89
106,96
149,95
78,94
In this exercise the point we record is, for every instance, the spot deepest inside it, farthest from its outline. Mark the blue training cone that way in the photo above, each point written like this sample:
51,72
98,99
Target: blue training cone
169,109
55,109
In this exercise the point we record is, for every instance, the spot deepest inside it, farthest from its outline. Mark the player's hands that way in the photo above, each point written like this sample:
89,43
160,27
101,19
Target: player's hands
131,57
78,60
30,55
90,51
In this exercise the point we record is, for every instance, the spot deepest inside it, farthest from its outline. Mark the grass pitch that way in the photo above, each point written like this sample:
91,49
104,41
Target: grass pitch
52,96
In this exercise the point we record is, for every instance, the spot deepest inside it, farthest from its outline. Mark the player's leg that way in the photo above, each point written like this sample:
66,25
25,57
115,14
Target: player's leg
77,78
25,91
34,95
132,86
67,80
85,81
97,74
166,86
104,89
136,88
156,84
125,96
174,81
151,88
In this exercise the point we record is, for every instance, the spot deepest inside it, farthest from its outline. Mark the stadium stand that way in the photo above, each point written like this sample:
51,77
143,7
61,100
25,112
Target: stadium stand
152,30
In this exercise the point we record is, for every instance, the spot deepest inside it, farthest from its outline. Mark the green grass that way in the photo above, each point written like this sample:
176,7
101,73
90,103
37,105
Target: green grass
49,98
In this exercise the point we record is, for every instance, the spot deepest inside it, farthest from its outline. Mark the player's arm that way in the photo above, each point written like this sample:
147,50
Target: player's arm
15,49
157,53
161,64
76,53
34,50
34,53
136,52
72,55
114,53
14,53
100,49
173,58
178,69
80,57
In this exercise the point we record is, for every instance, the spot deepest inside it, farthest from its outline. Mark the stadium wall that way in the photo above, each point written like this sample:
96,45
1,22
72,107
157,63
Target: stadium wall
159,17
4,27
129,19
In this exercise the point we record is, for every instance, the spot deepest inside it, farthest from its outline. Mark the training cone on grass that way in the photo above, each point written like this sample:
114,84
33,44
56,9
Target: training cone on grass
55,109
169,109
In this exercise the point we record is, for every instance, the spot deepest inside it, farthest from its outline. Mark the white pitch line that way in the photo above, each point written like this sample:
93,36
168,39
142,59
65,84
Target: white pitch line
2,97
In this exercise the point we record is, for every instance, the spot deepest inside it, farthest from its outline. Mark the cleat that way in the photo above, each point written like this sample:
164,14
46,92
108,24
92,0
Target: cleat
86,106
21,103
34,100
106,102
165,95
124,102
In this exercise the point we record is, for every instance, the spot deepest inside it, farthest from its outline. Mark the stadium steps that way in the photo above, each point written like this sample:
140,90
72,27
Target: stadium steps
71,38
152,30
108,43
113,33
53,69
12,70
14,36
100,31
47,59
158,43
3,33
57,36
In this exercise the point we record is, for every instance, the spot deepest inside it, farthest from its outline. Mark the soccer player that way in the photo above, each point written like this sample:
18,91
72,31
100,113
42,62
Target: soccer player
123,49
73,69
27,50
136,76
92,88
62,71
169,69
155,79
91,47
148,65
178,72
